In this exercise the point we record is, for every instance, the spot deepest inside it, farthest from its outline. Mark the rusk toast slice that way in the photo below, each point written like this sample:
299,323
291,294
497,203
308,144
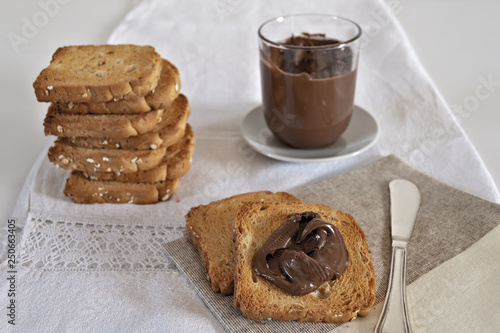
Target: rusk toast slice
167,89
109,160
210,230
98,73
339,300
117,126
168,131
175,164
85,191
161,97
180,155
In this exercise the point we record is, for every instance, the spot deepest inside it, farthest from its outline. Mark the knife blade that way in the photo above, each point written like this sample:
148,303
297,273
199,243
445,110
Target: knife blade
405,203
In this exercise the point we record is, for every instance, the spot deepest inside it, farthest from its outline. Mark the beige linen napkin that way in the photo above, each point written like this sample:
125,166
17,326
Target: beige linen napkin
449,222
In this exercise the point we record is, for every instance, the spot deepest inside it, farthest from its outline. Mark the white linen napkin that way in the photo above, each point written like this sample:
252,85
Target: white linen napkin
100,267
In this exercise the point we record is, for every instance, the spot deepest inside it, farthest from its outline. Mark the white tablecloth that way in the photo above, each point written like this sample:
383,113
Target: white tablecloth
101,267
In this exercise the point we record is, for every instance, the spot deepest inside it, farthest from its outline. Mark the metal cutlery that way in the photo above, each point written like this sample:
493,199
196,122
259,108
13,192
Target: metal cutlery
405,202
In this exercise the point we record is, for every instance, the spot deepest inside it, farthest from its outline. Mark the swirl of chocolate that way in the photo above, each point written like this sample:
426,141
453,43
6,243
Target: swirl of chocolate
302,254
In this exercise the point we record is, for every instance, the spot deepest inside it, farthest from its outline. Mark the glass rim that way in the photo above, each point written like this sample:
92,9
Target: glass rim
341,44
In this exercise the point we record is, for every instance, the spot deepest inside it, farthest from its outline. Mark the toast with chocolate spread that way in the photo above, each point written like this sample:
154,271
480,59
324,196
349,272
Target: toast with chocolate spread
294,258
210,230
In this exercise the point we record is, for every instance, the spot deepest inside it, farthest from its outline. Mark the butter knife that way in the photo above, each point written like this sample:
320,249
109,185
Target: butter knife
405,202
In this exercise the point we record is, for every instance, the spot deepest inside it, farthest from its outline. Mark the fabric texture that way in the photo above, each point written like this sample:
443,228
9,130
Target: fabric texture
102,267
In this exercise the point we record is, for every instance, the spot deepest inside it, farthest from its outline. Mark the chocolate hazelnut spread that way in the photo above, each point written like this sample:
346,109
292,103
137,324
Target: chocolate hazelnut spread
302,254
307,89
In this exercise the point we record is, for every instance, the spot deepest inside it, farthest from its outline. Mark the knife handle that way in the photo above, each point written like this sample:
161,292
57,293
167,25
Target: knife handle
394,316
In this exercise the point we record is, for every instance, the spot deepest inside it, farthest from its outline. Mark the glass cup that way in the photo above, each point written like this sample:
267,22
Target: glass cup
308,71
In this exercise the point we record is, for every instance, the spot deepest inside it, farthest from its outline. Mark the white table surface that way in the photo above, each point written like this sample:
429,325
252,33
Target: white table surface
457,42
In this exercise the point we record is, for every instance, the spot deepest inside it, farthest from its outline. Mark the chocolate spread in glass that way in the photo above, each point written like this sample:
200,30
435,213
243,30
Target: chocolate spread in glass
302,254
307,93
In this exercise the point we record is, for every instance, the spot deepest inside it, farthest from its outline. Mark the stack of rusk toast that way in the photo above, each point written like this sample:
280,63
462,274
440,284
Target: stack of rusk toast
120,122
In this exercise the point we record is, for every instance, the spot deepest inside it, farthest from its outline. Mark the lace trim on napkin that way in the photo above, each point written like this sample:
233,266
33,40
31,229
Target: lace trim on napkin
62,245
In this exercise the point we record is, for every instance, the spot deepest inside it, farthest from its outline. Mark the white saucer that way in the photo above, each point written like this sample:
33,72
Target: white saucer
359,136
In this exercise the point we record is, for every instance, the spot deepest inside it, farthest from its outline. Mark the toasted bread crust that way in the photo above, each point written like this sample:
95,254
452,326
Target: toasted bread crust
210,230
110,160
98,73
175,164
167,89
335,301
99,126
161,97
169,130
84,191
180,155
